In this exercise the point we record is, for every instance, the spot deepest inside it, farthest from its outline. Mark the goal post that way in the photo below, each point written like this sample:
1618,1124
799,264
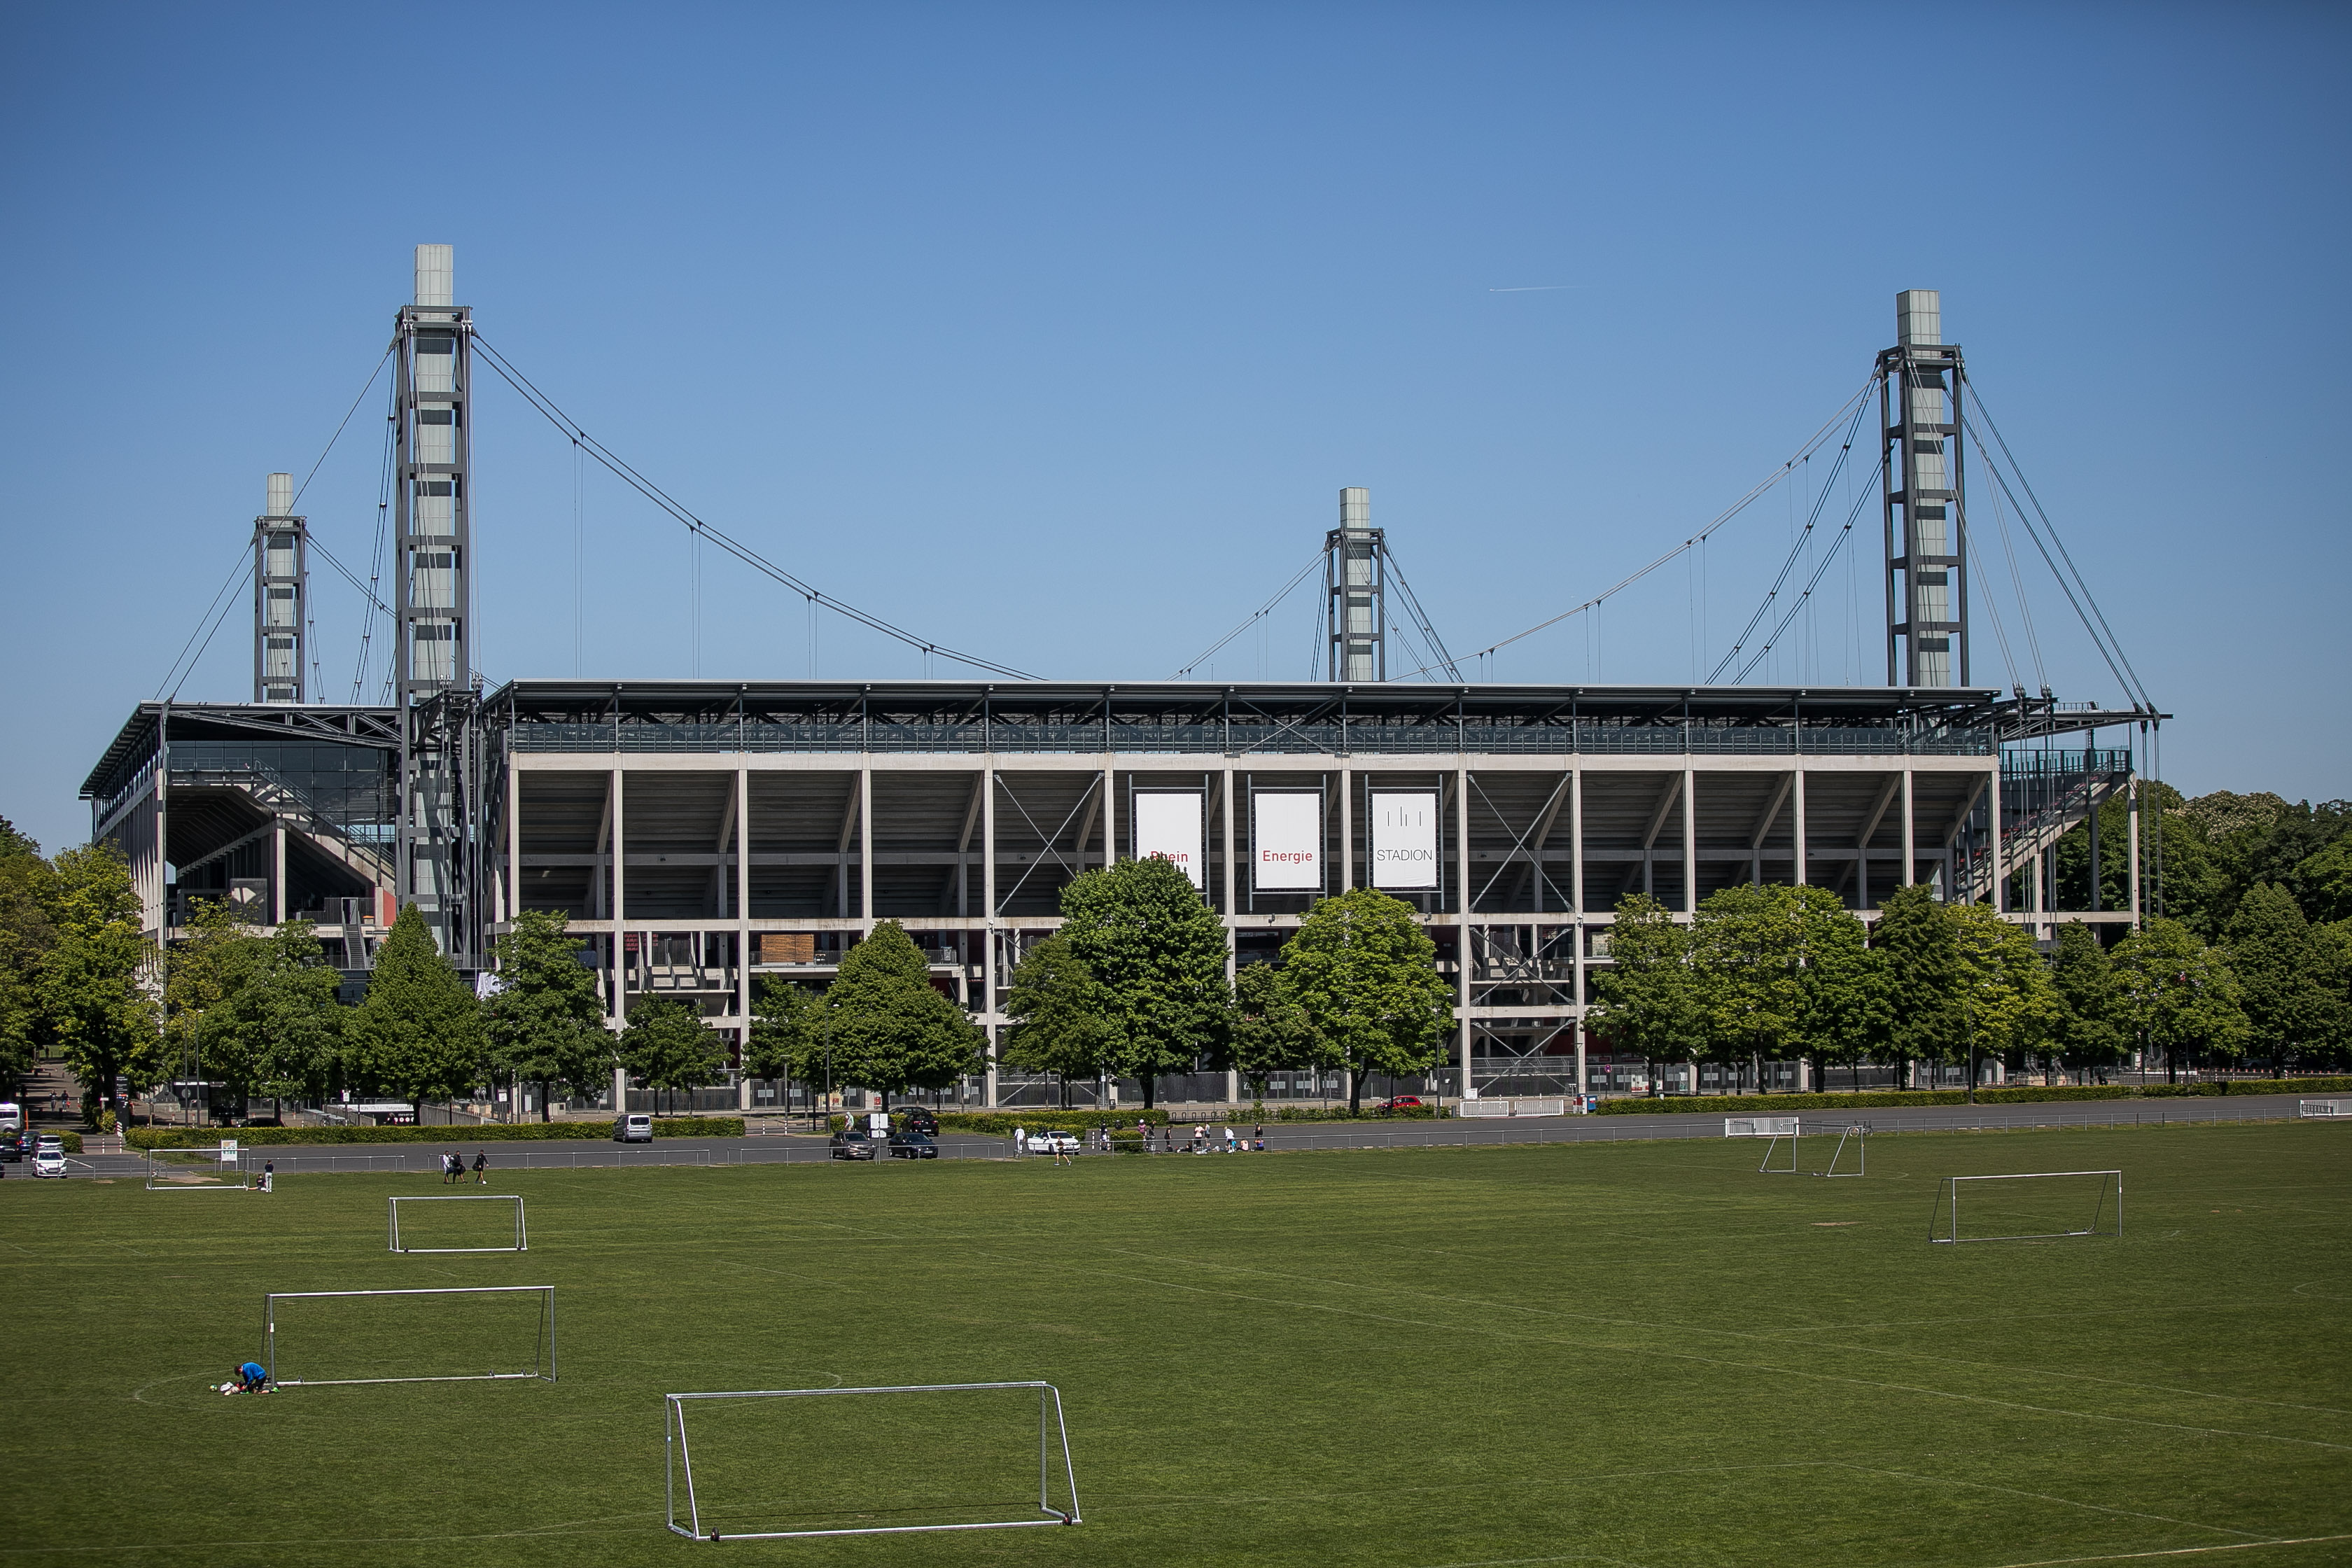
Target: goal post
1858,1134
459,1333
1772,1127
2028,1206
220,1170
908,1464
520,1241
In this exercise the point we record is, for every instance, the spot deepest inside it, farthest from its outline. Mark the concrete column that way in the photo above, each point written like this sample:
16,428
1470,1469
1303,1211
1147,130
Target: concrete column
1797,796
277,871
1690,841
743,912
1462,899
619,1009
988,935
514,840
1910,839
1576,854
2131,798
1225,826
1110,820
1347,827
1992,805
865,847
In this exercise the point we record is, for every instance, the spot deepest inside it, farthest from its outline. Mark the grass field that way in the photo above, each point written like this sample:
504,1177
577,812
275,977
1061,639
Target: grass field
1632,1353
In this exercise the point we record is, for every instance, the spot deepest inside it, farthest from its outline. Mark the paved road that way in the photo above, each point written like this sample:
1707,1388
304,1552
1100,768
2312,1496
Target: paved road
424,1159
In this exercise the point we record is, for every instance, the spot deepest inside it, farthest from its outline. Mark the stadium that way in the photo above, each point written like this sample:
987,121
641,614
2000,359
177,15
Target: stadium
702,834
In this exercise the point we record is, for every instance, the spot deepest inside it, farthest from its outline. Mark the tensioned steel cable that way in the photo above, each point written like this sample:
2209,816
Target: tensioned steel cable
203,621
1805,596
1812,444
1796,551
1260,613
653,492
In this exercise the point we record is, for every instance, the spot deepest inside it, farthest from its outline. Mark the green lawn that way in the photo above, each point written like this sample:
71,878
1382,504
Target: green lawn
1633,1352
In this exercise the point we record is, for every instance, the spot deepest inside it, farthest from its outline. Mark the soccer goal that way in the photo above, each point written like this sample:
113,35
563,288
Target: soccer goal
2325,1107
776,1464
218,1170
1773,1127
1858,1134
2031,1206
461,1229
481,1333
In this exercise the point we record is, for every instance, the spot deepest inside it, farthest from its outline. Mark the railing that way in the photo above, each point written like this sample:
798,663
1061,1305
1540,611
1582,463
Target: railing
1258,738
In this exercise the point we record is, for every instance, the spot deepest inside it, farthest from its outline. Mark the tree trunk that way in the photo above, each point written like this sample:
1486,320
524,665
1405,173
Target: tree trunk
1151,1083
1355,1092
544,1114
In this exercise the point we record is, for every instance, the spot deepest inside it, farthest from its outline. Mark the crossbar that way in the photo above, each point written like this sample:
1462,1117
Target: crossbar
270,1333
1948,1196
676,1451
521,1240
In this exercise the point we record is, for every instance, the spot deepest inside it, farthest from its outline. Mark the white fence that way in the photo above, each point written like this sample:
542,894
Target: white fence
1542,1106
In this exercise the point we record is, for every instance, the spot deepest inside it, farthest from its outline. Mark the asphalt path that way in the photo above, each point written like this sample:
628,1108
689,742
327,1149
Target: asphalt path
425,1158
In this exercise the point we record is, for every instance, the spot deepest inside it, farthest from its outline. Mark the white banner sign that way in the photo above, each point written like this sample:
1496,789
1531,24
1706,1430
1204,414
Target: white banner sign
1287,840
1404,841
1168,827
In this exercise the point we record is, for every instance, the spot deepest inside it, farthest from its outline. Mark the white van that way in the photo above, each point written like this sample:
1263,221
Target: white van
12,1117
635,1126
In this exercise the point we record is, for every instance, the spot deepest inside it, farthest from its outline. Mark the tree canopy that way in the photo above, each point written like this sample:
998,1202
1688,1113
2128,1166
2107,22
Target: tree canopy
1057,1013
546,1020
2178,995
1363,974
891,1029
1157,955
419,1032
666,1047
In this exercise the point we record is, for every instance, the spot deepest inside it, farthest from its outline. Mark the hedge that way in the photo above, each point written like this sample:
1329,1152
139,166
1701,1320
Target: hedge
1002,1122
1341,1113
2028,1094
488,1133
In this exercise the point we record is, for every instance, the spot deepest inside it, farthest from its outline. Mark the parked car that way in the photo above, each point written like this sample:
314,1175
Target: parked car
12,1148
909,1145
856,1143
1047,1143
914,1119
1403,1103
637,1126
50,1160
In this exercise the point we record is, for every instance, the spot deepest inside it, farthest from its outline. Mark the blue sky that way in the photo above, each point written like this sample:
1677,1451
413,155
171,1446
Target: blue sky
1053,331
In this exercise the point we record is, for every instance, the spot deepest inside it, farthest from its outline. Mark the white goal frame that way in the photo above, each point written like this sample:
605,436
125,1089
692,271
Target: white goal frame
2326,1110
677,1456
1859,1131
1773,1127
1948,1198
229,1163
521,1239
546,1335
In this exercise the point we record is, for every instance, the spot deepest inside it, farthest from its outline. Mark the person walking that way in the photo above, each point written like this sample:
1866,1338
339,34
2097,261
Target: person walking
1016,1139
1261,1138
1062,1149
481,1169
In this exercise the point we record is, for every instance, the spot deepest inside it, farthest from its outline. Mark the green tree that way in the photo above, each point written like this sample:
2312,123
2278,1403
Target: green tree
2322,882
891,1029
1058,1012
787,1034
1843,1015
1157,955
1364,974
668,1048
203,973
2178,995
1272,1033
2007,1005
285,1023
546,1021
2292,1008
1651,1000
25,937
419,1033
2087,1033
93,1007
1921,949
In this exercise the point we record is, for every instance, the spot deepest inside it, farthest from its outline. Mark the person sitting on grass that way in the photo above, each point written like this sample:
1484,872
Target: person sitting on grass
252,1377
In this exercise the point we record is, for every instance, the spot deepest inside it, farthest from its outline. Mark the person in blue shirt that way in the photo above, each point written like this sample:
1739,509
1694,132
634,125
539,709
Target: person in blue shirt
253,1377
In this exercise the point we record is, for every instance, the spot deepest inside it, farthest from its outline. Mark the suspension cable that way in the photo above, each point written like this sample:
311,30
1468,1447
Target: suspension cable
1257,616
1796,552
1811,444
644,487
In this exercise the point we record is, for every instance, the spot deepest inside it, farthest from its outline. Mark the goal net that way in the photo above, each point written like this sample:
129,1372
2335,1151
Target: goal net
472,1222
184,1169
768,1465
452,1334
2030,1206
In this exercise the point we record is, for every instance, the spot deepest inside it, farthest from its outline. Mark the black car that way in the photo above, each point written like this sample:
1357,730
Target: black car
12,1148
918,1119
909,1145
853,1144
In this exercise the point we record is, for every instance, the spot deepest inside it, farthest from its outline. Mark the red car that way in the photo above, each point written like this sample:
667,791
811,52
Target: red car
1403,1103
